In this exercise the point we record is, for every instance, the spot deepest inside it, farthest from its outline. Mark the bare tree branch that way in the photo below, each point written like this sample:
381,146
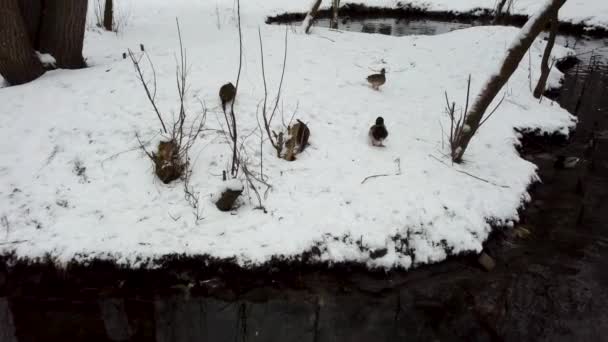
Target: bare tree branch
140,76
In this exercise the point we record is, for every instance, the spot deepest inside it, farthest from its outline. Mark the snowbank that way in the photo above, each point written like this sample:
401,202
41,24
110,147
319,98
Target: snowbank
76,186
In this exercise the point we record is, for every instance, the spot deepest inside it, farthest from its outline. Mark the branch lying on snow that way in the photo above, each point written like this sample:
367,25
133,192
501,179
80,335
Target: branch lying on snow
12,242
374,176
469,174
397,173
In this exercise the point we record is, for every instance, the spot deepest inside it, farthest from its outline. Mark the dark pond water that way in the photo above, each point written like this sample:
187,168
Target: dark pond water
550,282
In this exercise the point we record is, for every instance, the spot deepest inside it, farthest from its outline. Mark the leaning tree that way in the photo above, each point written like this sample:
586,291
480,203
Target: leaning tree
475,116
30,26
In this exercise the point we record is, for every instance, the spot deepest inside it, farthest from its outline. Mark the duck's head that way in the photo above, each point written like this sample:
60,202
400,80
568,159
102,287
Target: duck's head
379,121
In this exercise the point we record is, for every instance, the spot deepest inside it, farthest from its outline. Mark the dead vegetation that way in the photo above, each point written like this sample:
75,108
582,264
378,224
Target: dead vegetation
292,138
171,157
458,122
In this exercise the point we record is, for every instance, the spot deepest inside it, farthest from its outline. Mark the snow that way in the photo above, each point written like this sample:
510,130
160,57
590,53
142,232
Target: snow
46,59
75,184
233,185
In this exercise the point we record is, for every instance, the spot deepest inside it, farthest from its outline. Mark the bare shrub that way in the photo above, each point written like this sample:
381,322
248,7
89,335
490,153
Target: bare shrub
171,159
458,125
277,140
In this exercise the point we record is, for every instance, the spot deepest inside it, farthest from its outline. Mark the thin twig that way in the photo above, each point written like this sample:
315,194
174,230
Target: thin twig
466,106
235,167
374,176
276,104
129,150
468,174
142,146
151,97
493,110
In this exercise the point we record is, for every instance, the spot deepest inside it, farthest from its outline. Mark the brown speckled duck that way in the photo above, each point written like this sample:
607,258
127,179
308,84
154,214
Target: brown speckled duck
377,80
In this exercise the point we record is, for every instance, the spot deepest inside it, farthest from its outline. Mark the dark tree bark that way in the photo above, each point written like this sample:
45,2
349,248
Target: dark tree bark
62,31
108,14
545,69
31,12
18,64
498,14
335,7
518,49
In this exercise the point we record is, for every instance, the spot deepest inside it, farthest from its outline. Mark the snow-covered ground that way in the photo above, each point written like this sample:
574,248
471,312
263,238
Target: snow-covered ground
74,184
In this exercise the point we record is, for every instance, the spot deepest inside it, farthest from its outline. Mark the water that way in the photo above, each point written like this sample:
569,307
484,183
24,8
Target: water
549,285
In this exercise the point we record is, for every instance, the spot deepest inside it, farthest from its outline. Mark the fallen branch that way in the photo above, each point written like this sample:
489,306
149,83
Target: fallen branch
469,174
374,176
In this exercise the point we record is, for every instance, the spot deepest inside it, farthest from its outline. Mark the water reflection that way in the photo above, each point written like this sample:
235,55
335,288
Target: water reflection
7,325
397,27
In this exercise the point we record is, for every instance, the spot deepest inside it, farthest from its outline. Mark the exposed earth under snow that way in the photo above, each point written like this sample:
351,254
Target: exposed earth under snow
76,186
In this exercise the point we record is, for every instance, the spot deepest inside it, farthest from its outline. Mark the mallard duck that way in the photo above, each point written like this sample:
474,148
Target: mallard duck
378,132
227,93
376,80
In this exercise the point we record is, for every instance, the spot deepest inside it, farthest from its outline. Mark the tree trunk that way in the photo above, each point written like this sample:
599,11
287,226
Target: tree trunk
544,65
18,63
108,14
334,14
307,23
31,12
494,84
499,12
62,33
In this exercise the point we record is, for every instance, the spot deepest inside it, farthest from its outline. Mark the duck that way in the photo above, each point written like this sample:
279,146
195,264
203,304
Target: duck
377,80
378,132
227,94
